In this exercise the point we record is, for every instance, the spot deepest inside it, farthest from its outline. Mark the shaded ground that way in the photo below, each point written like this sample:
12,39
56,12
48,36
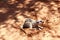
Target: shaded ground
14,12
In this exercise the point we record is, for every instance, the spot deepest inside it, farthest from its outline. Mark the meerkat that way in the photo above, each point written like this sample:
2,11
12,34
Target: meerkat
30,23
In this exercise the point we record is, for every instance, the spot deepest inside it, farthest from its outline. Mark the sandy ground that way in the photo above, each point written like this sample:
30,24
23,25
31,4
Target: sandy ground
14,12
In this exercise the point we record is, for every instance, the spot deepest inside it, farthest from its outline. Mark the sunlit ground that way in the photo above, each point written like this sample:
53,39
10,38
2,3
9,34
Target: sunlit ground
14,12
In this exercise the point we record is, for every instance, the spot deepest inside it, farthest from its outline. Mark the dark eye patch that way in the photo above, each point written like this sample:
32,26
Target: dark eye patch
39,22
